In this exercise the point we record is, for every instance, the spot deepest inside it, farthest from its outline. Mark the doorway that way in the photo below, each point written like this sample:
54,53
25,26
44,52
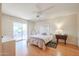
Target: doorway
20,36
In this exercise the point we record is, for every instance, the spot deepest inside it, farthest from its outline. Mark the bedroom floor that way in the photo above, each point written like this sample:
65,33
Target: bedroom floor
61,50
21,48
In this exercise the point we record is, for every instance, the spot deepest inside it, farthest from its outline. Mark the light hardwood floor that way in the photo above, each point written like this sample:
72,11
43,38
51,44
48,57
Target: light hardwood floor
61,50
20,48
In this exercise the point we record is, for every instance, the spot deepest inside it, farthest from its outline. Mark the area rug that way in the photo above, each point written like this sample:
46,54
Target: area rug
51,44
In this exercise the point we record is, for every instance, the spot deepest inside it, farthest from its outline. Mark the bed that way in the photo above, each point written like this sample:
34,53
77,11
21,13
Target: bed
40,40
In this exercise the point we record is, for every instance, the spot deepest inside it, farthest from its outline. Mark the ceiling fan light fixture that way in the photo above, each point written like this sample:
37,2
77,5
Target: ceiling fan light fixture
38,16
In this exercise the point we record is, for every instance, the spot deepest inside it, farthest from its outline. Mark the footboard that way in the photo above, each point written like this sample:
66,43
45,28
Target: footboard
38,42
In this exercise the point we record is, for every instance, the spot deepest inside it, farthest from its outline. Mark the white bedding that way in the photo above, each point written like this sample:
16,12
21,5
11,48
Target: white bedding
46,38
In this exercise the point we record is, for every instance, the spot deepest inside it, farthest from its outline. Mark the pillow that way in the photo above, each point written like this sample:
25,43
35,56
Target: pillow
44,33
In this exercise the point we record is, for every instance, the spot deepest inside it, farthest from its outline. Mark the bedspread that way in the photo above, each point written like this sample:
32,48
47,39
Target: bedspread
40,40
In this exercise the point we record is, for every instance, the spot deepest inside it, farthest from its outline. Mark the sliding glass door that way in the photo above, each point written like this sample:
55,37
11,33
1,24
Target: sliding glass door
19,31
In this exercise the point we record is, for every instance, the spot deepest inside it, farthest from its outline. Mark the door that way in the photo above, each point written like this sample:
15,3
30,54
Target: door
20,35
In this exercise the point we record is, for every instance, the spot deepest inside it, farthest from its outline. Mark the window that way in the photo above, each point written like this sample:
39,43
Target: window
19,31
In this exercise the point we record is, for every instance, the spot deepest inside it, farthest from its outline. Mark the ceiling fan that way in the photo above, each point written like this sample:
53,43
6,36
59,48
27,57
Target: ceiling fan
41,12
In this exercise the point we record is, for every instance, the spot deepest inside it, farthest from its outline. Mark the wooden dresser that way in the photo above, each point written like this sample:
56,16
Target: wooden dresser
9,48
62,37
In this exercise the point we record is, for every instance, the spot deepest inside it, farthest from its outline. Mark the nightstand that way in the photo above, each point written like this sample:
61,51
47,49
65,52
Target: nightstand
62,37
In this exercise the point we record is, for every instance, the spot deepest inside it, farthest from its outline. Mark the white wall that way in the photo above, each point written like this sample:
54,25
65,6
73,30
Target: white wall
31,25
0,22
69,25
0,33
7,28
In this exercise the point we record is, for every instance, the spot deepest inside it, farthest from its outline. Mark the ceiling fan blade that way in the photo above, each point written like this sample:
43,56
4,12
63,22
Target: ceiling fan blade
42,11
38,8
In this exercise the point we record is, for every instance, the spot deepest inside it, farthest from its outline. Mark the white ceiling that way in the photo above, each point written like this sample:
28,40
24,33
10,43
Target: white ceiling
29,11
